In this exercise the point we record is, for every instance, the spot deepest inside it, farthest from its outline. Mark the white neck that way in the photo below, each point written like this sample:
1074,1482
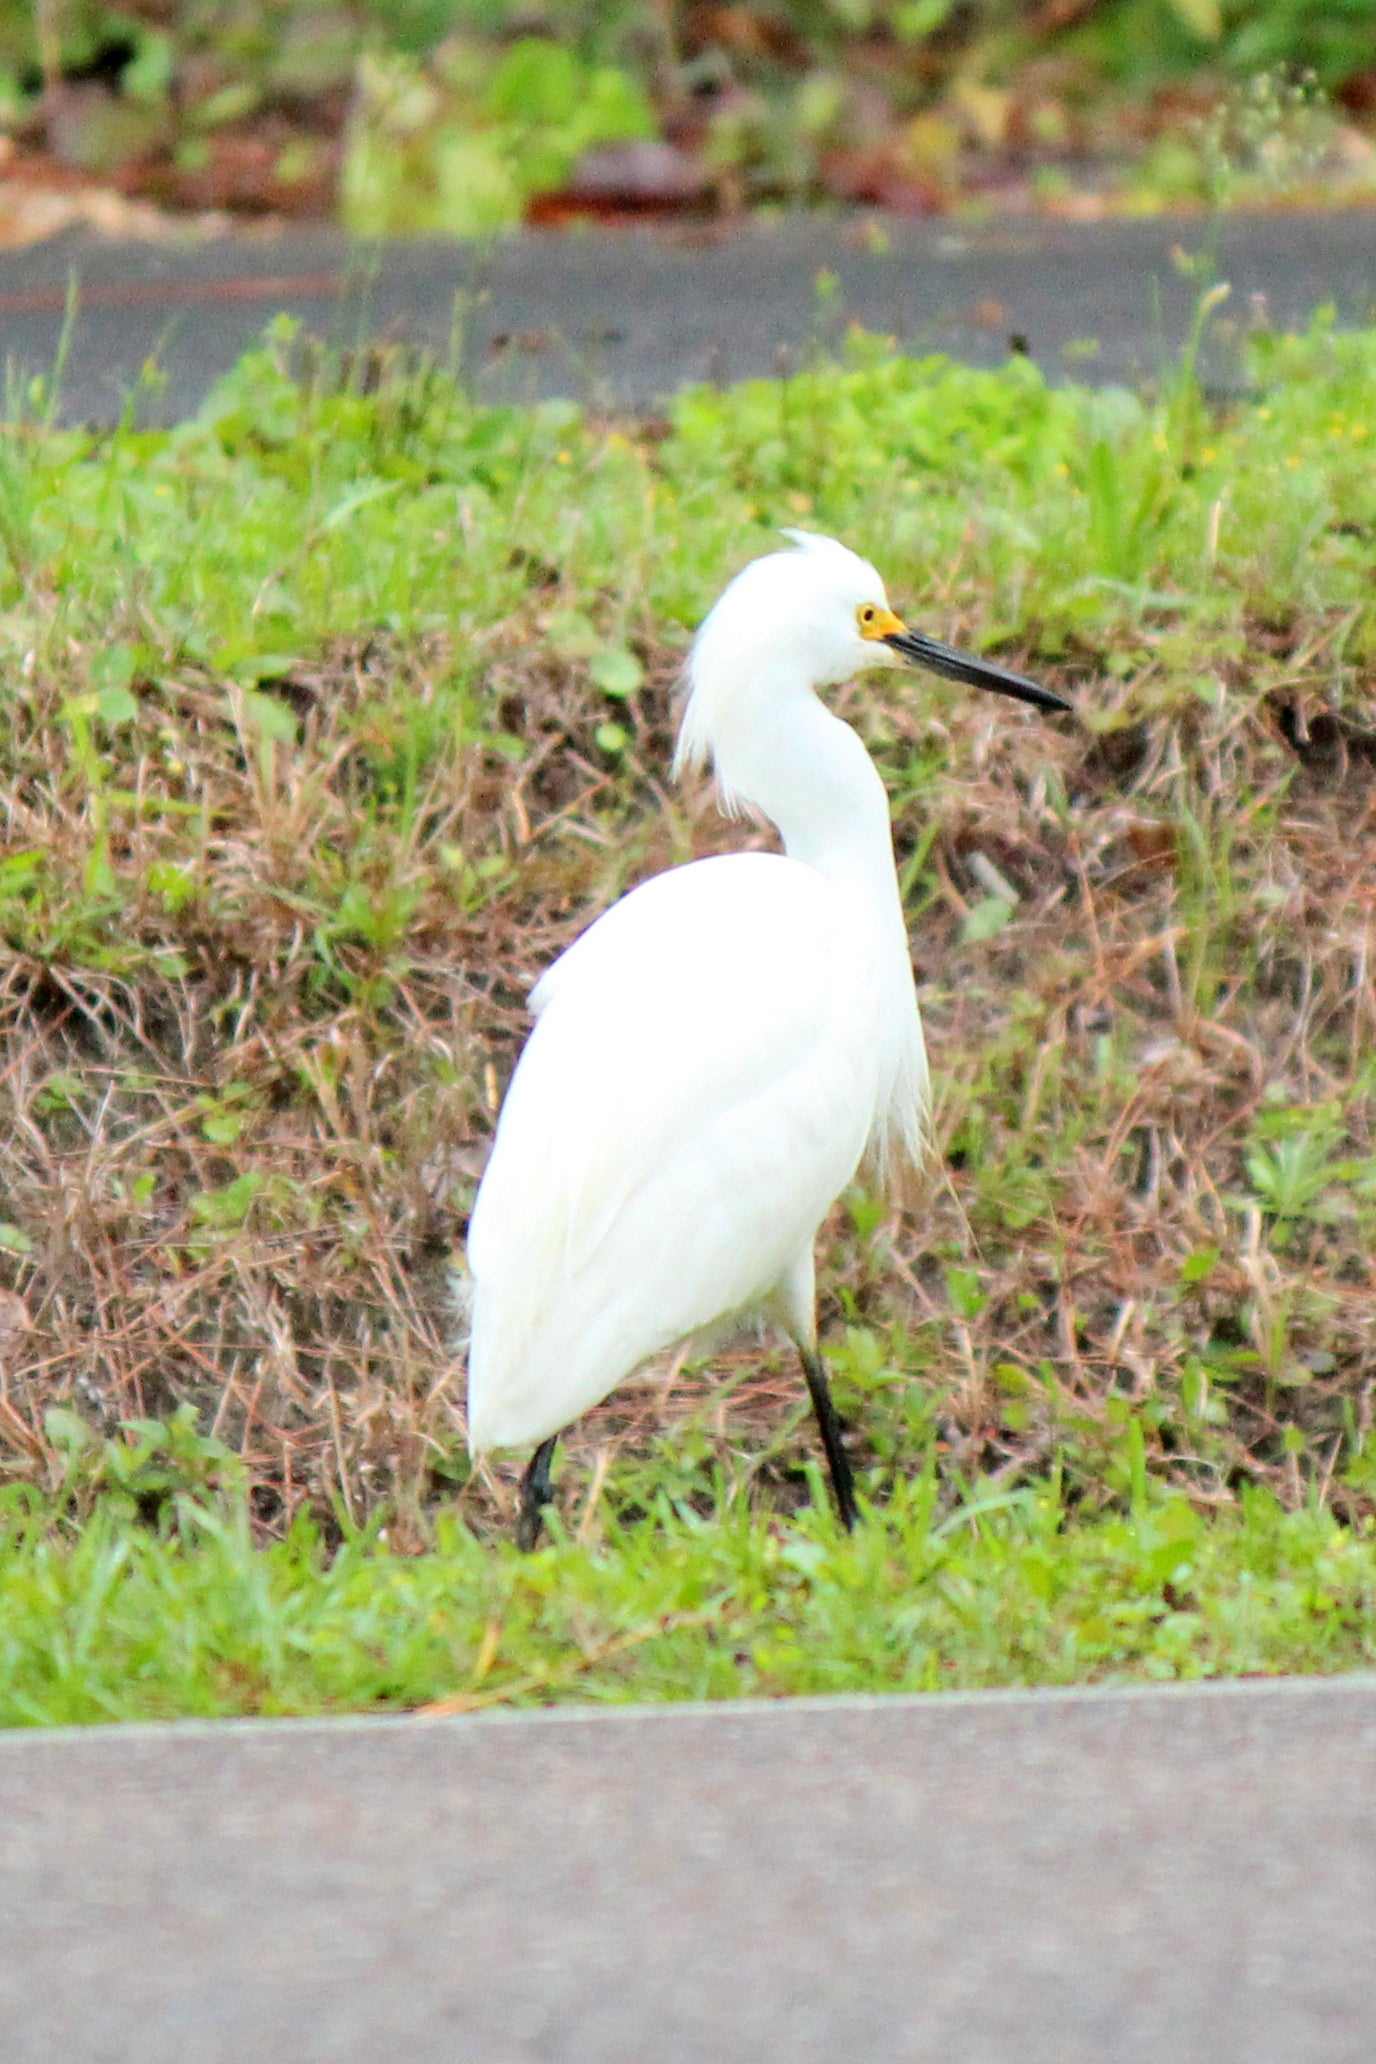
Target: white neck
788,756
811,776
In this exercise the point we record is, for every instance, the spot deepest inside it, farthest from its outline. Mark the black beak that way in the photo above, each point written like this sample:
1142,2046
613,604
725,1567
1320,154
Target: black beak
977,673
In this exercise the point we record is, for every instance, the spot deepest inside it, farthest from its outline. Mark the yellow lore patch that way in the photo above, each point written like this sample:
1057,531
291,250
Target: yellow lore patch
875,622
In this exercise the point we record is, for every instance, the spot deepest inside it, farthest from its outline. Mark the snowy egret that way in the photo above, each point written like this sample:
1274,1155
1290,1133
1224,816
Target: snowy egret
714,1058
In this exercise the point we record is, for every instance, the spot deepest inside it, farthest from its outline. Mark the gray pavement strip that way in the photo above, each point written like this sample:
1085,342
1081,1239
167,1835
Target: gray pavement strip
1175,1874
623,319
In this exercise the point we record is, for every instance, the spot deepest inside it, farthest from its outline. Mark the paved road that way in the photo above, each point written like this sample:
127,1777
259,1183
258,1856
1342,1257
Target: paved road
627,317
1160,1877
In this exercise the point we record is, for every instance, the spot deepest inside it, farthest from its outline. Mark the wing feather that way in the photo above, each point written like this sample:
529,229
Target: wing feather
699,1085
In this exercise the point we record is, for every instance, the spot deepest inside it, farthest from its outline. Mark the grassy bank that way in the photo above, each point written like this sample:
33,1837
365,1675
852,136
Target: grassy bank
332,715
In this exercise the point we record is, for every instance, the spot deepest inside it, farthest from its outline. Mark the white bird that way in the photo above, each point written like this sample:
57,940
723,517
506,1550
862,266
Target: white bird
716,1055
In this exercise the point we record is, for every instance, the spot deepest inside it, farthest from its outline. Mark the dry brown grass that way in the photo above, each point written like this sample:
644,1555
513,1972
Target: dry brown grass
316,1335
1102,1061
1113,924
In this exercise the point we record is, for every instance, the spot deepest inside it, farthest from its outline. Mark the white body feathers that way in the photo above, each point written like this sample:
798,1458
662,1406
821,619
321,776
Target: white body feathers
714,1057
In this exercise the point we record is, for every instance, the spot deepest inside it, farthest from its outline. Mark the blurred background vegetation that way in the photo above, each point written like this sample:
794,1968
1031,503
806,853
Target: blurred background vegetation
470,115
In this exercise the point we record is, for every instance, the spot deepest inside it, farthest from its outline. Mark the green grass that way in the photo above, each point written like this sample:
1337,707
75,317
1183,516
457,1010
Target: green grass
120,1623
333,714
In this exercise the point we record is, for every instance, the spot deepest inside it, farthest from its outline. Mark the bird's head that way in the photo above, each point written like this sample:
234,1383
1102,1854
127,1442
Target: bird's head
812,617
853,627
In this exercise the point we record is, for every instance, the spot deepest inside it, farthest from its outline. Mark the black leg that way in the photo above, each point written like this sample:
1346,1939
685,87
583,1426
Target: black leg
536,1492
838,1461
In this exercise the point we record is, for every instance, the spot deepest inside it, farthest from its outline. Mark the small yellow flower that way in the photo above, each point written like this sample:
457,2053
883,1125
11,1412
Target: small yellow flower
1359,430
1293,459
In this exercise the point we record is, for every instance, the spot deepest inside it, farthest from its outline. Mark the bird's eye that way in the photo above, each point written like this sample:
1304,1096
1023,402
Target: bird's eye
868,613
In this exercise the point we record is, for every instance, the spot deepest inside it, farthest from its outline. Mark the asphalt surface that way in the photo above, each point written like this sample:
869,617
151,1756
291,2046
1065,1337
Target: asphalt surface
625,318
1158,1877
